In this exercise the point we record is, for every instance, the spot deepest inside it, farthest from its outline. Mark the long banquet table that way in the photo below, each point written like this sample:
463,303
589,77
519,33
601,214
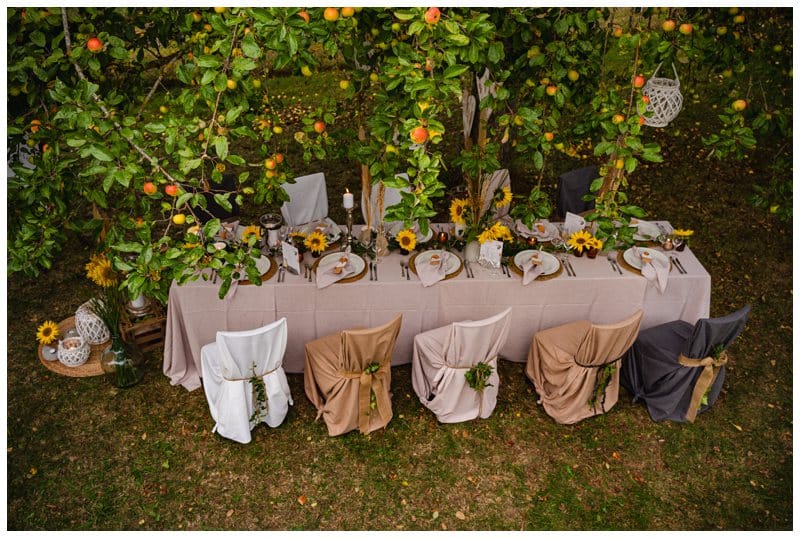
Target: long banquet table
195,313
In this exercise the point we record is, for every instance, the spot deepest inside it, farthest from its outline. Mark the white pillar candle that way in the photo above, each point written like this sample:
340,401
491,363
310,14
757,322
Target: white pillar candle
348,200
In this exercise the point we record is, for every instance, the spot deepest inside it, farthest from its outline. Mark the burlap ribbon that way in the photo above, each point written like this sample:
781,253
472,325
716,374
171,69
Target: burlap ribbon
711,367
371,382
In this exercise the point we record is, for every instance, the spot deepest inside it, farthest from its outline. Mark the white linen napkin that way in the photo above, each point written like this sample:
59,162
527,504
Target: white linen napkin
329,276
654,271
546,235
431,274
646,229
573,223
531,271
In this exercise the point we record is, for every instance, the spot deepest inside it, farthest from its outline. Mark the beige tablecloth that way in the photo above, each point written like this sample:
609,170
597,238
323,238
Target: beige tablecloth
597,294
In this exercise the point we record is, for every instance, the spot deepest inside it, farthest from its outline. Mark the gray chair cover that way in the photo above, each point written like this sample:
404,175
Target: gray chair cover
572,186
651,372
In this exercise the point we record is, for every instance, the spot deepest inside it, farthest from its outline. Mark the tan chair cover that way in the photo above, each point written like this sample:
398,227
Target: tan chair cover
564,364
442,357
337,381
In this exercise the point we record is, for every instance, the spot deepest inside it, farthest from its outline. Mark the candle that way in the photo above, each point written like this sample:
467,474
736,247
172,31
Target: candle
348,200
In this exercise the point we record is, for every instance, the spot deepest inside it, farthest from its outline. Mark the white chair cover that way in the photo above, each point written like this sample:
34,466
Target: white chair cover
441,358
308,200
229,363
497,180
391,197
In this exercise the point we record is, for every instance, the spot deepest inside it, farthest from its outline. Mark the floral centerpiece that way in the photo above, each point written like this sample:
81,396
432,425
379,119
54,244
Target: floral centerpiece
682,236
583,241
316,242
407,240
469,216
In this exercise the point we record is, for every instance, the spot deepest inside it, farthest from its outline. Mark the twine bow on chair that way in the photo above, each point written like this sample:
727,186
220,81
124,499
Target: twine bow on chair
711,367
371,380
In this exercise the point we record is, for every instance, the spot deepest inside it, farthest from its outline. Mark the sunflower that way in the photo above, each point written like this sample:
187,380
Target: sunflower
486,235
316,242
407,239
595,243
47,332
502,196
457,208
683,233
501,232
579,240
251,230
99,270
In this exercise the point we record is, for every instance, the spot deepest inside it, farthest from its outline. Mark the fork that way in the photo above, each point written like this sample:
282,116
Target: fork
370,271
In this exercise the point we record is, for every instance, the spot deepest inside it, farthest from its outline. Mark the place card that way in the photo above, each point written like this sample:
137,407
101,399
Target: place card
491,252
291,257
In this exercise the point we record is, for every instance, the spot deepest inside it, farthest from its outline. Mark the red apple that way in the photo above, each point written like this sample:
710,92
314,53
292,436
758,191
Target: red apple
94,44
304,15
617,118
739,105
319,126
270,164
419,135
668,25
551,90
149,188
686,28
432,15
549,136
617,31
638,81
171,189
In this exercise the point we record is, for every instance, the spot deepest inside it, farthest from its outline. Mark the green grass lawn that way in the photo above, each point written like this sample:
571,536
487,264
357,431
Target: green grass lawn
84,455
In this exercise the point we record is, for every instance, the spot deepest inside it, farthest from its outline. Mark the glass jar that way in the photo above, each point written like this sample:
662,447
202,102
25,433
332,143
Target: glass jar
122,362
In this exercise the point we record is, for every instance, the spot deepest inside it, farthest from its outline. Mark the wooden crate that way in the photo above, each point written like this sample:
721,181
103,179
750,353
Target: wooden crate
146,331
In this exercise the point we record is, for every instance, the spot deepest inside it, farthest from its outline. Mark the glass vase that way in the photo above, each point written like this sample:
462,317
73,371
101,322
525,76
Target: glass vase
472,251
122,362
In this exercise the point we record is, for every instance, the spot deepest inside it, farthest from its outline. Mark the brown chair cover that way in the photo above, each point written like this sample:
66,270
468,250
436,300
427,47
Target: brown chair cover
566,364
441,358
343,370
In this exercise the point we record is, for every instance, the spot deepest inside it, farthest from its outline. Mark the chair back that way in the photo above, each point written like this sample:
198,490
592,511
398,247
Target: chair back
361,347
606,343
711,332
471,342
572,186
497,180
242,351
308,200
391,196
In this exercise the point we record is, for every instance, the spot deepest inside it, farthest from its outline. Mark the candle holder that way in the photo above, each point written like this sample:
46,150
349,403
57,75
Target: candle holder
349,239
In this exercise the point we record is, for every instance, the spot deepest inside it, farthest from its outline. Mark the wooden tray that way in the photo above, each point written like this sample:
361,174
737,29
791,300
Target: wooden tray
88,369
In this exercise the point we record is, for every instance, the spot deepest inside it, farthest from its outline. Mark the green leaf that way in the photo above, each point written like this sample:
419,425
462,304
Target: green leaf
222,200
129,247
37,38
455,71
496,52
155,127
221,145
182,199
100,153
538,160
235,160
208,61
458,39
249,46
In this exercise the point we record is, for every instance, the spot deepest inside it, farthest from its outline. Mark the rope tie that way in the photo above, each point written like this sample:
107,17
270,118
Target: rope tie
711,368
370,381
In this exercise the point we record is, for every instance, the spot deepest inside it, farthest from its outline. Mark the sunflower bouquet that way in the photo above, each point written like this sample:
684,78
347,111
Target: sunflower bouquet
583,241
468,215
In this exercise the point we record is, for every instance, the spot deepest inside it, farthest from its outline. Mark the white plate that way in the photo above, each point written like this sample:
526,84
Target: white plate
647,231
549,262
263,264
453,261
396,227
357,263
636,262
332,232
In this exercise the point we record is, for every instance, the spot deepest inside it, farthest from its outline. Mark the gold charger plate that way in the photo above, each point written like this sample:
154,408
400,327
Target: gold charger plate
88,369
352,278
513,265
273,268
624,263
448,276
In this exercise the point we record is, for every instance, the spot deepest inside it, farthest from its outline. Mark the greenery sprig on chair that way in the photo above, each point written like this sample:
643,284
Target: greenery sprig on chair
478,376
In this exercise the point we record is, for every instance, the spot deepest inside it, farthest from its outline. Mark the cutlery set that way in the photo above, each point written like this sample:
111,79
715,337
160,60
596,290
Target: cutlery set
613,261
504,267
468,270
373,270
678,265
567,266
404,270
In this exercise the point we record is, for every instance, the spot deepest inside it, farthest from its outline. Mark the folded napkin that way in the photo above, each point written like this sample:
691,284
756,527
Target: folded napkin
527,232
573,223
646,229
655,271
530,271
431,274
329,276
323,226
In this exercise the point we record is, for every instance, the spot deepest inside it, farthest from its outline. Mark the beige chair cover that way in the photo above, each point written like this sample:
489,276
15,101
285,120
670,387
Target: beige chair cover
565,364
339,381
442,357
496,180
391,196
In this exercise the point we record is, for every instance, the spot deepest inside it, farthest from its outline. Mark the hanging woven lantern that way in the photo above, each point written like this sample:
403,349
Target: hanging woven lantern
665,99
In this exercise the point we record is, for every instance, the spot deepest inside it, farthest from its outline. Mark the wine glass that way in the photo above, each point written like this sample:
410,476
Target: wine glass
677,241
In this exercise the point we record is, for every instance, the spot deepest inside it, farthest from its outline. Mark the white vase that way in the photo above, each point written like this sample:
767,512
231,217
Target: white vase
459,230
472,251
139,302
